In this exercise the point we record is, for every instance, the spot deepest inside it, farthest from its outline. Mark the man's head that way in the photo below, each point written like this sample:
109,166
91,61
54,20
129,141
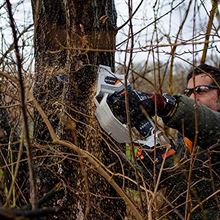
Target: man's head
203,84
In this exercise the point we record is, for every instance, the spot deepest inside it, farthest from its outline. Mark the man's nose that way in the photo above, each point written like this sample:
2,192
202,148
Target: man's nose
192,96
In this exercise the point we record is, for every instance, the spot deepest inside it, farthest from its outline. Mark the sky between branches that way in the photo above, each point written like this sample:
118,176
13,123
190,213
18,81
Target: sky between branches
155,39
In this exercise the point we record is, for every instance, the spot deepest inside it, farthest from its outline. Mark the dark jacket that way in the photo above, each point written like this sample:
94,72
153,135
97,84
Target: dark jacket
199,172
198,122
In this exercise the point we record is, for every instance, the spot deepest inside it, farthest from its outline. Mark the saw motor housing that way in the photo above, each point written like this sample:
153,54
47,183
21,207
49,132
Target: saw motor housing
111,114
113,121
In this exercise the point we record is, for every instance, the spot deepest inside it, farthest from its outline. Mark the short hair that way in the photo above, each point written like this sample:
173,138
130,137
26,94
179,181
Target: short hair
206,69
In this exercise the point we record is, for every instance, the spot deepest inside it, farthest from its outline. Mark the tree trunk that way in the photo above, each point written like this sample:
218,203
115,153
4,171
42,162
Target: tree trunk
71,39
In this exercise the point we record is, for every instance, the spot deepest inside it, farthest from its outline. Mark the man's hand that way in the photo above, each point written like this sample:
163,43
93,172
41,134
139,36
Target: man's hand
152,103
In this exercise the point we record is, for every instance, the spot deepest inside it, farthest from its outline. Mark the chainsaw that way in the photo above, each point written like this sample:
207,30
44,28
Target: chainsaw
112,117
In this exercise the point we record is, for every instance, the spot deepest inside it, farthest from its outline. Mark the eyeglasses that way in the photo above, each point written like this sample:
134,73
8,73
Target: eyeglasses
199,89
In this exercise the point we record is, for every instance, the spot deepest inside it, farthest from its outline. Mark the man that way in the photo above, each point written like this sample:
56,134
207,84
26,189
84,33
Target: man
196,116
192,184
199,113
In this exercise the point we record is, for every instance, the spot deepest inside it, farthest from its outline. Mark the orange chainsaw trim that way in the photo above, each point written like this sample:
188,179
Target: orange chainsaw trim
139,153
169,153
188,144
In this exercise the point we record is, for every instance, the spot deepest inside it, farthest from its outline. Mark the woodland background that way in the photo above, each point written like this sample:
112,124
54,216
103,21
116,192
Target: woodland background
56,162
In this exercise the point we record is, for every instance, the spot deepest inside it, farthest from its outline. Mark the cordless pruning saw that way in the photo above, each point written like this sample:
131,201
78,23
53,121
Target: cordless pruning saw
112,117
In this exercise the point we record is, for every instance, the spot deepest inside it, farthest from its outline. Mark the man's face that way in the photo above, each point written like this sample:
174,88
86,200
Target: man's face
208,97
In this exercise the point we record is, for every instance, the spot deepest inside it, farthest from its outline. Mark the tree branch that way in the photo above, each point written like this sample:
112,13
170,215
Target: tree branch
90,158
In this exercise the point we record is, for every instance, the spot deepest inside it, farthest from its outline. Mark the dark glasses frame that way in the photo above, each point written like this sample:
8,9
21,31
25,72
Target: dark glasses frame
199,89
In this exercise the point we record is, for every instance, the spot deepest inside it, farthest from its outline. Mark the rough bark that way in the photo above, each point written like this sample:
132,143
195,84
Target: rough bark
71,39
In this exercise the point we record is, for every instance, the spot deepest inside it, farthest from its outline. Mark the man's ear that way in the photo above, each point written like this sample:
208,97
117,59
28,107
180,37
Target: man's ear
219,95
218,101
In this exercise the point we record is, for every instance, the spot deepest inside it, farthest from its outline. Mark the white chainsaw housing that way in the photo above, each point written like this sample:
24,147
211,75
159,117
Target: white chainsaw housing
117,130
107,120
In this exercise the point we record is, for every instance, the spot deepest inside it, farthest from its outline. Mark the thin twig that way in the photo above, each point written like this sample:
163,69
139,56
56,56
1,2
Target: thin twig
14,175
173,49
145,27
14,213
11,47
209,28
24,107
206,199
131,16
